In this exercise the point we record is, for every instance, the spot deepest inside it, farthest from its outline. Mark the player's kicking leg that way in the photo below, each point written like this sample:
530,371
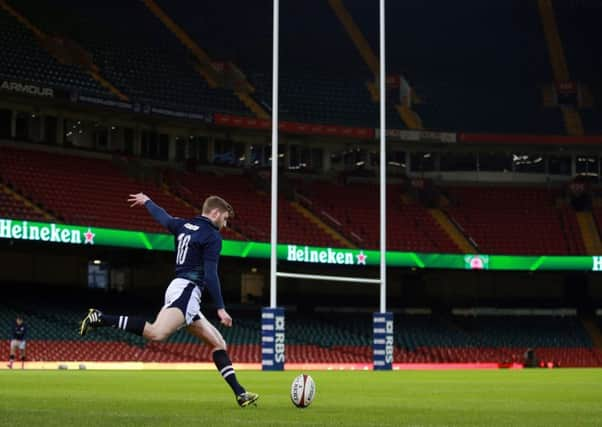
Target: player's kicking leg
205,331
167,322
177,298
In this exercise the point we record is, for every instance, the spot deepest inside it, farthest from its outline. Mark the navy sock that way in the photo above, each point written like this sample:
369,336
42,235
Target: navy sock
224,366
133,324
109,320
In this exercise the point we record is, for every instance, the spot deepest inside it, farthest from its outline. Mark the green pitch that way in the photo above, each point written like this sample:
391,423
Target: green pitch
563,397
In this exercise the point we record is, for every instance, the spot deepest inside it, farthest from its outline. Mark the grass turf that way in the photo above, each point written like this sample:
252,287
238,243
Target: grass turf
563,397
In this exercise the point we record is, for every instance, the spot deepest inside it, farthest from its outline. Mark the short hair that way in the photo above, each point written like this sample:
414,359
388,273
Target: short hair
216,202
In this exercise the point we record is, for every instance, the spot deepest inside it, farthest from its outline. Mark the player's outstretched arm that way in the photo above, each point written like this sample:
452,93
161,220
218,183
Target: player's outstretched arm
156,211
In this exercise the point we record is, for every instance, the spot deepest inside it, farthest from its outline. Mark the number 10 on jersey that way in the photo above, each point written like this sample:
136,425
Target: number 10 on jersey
183,241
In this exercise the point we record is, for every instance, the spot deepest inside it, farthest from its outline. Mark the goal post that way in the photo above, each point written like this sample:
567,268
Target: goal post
273,317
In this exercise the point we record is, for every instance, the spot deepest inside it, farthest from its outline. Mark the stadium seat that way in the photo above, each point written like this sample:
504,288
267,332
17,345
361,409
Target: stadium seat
515,220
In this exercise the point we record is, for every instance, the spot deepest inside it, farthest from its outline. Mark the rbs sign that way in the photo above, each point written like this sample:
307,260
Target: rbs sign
272,339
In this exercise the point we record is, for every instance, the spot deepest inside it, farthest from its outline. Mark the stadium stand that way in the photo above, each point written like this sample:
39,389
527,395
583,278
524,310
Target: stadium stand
354,206
582,51
24,59
82,190
597,213
458,90
315,338
44,177
321,100
592,121
515,220
571,231
165,74
144,60
496,95
252,208
502,339
334,90
579,42
12,207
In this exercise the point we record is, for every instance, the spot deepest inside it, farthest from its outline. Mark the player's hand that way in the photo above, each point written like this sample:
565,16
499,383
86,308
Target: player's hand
224,317
138,199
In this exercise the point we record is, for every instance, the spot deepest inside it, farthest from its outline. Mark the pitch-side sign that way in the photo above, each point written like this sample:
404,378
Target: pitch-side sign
44,232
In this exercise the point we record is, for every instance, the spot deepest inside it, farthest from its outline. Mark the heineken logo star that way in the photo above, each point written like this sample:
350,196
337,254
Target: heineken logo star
89,237
361,258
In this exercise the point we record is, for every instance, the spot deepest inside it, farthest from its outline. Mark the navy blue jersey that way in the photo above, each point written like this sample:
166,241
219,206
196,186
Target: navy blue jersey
196,240
198,245
19,331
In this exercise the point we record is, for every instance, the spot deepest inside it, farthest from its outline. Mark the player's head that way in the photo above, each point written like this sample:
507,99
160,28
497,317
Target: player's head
19,319
218,211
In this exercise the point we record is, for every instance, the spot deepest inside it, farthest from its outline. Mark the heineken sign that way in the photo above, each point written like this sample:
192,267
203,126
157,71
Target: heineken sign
324,256
23,230
17,229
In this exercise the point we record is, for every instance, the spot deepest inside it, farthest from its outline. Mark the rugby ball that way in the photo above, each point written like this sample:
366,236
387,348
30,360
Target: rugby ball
303,391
